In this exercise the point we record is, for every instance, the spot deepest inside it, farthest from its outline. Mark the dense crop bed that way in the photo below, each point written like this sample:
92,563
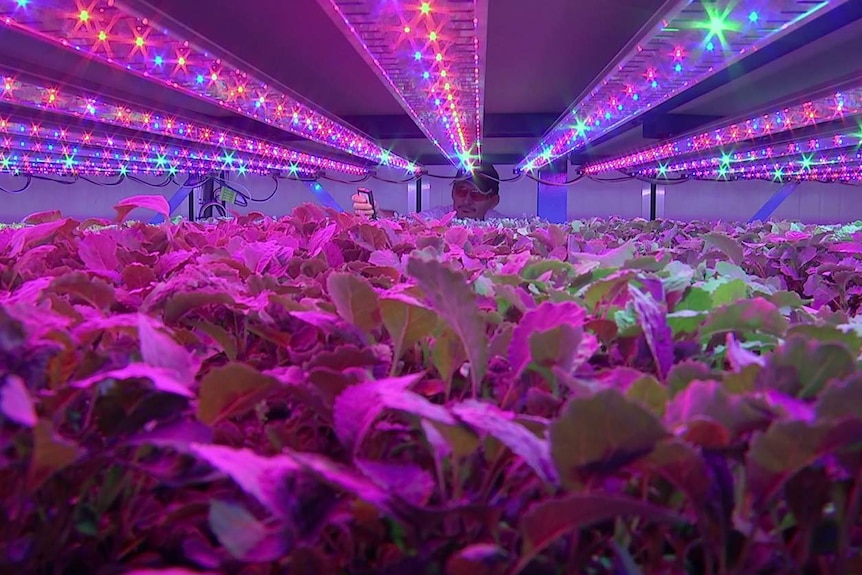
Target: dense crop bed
320,394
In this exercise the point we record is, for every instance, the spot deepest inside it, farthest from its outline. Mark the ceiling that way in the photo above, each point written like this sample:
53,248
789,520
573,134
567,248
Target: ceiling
541,56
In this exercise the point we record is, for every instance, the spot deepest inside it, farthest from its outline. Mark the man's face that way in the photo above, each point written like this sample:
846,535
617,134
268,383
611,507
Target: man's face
470,202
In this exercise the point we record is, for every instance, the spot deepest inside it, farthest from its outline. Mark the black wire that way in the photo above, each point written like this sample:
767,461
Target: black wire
274,190
351,182
120,180
170,180
21,189
560,184
48,179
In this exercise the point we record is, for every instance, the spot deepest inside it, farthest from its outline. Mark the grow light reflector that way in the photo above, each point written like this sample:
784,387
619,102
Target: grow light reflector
113,33
431,56
835,107
686,43
76,103
36,139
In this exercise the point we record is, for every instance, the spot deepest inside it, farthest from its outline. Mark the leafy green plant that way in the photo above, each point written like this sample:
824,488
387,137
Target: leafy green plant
323,394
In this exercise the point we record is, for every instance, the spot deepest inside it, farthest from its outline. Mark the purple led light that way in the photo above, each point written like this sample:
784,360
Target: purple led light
116,35
837,106
41,138
431,56
78,104
687,44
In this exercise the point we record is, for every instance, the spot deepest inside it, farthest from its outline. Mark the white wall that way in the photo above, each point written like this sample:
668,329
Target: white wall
813,203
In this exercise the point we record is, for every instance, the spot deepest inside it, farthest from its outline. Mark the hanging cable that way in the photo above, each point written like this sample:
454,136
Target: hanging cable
20,190
215,205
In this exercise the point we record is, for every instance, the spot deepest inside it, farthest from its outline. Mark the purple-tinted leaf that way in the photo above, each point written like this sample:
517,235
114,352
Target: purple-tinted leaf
478,559
409,482
246,538
346,480
232,390
169,571
653,320
738,357
553,518
729,246
451,296
28,237
708,399
565,322
15,402
162,379
160,350
356,409
501,425
177,434
157,204
846,247
99,253
261,477
757,314
803,367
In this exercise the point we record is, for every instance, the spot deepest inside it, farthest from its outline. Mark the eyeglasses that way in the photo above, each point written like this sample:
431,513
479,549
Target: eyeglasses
462,190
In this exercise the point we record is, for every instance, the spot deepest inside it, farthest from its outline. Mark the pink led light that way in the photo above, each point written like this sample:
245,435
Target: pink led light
122,38
42,138
836,106
78,104
807,147
431,56
687,44
831,165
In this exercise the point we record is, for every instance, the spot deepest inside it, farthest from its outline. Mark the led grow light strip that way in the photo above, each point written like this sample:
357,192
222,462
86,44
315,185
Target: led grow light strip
42,137
687,42
808,147
832,163
79,104
431,56
110,32
837,106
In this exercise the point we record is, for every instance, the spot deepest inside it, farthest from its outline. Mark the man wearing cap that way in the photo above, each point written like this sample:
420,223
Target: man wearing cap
474,196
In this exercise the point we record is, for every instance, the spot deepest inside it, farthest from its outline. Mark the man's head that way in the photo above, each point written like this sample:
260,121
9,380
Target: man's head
475,193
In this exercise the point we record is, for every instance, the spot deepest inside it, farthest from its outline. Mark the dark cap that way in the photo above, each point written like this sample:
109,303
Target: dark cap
484,176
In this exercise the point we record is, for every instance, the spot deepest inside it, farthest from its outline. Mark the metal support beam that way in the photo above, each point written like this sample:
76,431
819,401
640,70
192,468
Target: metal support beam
653,193
183,193
323,197
553,198
773,202
663,126
419,195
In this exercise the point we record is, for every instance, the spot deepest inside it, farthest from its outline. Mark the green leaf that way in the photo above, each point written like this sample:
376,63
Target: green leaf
600,434
755,314
789,299
774,456
232,390
407,323
828,334
802,367
683,373
649,392
51,453
221,337
450,295
545,522
841,400
697,299
447,354
729,246
730,292
683,466
708,399
355,300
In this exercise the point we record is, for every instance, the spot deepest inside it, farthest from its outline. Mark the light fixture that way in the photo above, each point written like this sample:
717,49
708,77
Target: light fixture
681,47
34,139
431,56
77,103
115,34
837,107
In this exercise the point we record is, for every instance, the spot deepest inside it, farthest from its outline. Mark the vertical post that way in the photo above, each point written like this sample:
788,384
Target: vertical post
653,194
553,197
419,195
208,196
